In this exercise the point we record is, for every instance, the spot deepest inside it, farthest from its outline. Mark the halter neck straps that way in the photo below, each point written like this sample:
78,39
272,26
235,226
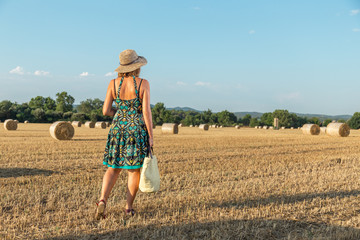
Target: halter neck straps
121,82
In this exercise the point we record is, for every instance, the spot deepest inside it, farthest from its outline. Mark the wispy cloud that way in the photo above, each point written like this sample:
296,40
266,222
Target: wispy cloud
110,74
354,12
41,73
252,32
289,96
202,84
356,30
180,83
84,74
18,70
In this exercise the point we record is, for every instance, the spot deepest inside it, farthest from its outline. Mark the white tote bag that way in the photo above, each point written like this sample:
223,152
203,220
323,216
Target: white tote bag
150,177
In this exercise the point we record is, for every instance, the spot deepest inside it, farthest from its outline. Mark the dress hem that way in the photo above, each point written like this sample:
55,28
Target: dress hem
122,167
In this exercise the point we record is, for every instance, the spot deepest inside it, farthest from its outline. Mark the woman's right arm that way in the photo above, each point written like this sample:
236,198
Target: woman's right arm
107,107
147,110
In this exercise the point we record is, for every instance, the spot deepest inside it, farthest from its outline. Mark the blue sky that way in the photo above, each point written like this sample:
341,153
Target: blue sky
260,55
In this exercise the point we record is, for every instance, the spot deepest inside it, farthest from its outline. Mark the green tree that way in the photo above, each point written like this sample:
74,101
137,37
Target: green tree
246,120
89,105
158,112
267,119
326,122
39,114
285,119
49,104
354,121
314,120
254,122
37,102
6,110
64,102
226,118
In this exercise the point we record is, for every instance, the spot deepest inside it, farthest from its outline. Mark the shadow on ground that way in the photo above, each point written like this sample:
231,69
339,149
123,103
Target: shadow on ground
18,172
284,199
230,229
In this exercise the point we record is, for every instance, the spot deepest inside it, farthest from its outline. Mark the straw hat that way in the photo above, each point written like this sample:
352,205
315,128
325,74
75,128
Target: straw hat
130,61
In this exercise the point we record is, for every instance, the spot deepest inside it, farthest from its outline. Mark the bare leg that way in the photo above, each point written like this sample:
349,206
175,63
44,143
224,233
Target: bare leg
109,181
133,186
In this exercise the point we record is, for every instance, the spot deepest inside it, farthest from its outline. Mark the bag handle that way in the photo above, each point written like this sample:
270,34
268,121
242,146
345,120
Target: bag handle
151,151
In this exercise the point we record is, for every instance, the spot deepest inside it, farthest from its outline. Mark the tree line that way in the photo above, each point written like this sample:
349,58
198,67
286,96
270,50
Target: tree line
46,110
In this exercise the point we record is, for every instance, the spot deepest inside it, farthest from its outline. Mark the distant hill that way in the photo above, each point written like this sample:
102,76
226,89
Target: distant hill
308,115
258,114
184,109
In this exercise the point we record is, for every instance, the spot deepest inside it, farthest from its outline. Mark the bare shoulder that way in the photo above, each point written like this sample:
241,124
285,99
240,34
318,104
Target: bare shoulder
145,83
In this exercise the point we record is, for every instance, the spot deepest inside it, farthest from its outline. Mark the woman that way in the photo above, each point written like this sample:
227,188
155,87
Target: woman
130,136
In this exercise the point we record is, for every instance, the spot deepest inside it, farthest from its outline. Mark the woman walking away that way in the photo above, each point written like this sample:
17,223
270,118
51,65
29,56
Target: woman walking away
130,135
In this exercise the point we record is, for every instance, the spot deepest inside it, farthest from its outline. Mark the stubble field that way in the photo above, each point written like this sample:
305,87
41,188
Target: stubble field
219,184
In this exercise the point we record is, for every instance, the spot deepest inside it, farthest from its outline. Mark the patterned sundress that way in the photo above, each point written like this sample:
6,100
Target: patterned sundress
128,139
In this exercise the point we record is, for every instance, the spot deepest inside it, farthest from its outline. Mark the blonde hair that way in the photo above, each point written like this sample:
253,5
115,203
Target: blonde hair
135,73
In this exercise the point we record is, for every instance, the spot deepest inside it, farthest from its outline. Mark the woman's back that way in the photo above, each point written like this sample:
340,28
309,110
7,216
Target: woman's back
127,90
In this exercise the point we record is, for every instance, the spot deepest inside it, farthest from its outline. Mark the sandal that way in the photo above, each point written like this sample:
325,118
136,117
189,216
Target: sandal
130,212
100,210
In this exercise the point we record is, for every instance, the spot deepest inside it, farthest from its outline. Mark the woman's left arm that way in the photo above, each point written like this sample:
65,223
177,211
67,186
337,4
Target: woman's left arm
107,108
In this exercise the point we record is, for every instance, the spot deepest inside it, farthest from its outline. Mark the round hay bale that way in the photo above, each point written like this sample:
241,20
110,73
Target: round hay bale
283,128
26,121
171,128
323,130
181,125
76,124
265,127
17,121
62,130
221,126
90,124
292,128
101,125
10,125
213,126
338,129
196,125
271,127
311,129
204,127
108,124
191,126
237,127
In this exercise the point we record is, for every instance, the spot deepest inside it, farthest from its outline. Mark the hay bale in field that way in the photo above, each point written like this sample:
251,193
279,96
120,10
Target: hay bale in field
221,126
213,126
292,128
204,127
323,129
196,125
26,121
171,128
191,126
282,128
265,127
17,121
181,125
311,129
101,125
10,125
76,123
271,127
338,129
237,127
62,130
108,124
89,124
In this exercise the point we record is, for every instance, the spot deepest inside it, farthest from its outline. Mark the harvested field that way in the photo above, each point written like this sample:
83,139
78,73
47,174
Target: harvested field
224,183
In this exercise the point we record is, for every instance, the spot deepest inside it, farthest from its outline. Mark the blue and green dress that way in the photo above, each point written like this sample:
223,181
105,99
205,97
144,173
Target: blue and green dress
128,139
